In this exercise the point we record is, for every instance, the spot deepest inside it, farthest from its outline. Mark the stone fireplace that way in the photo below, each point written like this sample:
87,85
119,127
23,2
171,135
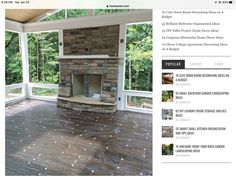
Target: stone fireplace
89,84
89,69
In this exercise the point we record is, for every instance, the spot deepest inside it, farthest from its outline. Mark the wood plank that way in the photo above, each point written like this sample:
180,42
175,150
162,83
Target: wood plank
43,139
24,15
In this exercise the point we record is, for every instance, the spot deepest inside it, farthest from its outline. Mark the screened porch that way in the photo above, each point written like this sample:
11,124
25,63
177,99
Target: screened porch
78,92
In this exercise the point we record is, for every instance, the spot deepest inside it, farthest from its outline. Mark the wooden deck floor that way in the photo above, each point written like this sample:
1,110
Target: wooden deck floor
42,139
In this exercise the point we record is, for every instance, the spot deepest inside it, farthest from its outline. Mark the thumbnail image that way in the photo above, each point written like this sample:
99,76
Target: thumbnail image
167,131
167,78
167,114
167,149
167,96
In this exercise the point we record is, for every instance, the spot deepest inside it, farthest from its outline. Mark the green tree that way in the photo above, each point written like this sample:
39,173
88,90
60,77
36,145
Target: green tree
139,57
66,13
72,13
13,62
43,57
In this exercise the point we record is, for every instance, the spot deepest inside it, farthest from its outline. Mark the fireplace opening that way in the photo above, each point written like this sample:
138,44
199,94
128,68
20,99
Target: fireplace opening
87,85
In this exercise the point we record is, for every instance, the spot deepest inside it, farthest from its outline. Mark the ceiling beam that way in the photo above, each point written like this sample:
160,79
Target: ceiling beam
90,21
13,26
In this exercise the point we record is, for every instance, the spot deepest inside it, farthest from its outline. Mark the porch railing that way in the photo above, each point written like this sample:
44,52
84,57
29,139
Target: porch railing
49,97
138,101
14,92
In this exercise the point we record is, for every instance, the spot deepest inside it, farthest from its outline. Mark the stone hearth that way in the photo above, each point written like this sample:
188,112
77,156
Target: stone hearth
88,84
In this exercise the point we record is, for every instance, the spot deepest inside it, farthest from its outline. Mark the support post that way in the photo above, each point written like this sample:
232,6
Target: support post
25,63
121,75
60,37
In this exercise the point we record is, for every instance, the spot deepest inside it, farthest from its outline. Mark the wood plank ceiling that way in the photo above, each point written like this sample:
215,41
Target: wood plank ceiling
25,15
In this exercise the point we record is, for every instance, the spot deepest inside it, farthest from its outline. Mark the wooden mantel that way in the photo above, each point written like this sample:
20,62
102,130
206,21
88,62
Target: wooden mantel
86,57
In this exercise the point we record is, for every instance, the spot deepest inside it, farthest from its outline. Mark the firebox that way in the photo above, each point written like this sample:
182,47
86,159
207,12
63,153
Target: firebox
88,85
